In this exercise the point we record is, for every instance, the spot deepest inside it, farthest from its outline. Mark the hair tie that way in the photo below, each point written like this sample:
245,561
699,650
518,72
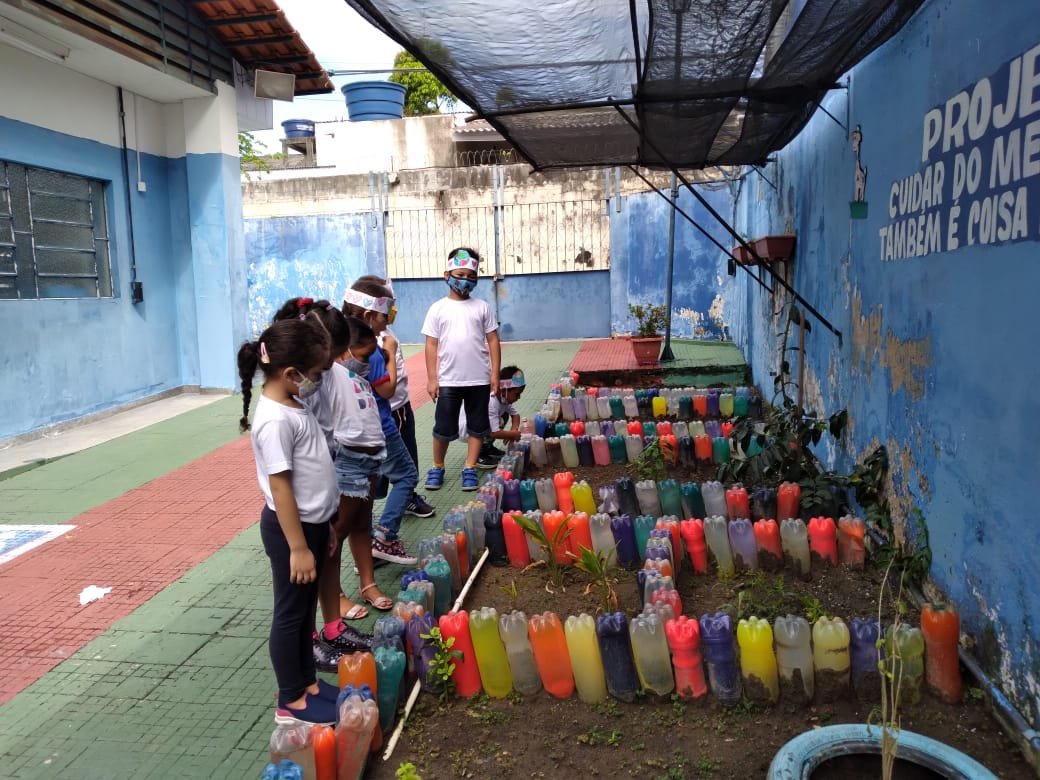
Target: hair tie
264,358
301,302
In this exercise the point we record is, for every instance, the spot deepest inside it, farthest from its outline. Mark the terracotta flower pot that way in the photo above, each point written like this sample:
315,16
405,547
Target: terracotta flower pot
647,349
774,247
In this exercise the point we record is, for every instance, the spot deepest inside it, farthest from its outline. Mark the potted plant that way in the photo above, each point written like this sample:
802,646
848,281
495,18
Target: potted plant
768,249
646,342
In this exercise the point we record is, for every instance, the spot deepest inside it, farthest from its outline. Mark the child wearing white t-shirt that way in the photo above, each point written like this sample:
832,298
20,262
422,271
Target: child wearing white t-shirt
463,356
502,412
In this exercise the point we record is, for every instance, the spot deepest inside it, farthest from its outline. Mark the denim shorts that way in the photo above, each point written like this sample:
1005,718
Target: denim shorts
355,471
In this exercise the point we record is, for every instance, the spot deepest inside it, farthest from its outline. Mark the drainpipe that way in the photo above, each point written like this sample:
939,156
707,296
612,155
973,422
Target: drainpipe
136,288
666,353
1009,718
497,186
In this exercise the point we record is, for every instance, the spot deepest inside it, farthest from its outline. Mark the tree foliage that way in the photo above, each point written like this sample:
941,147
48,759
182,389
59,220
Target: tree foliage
425,94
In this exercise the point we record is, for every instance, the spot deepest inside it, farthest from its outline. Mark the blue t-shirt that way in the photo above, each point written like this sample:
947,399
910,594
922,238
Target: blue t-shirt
377,375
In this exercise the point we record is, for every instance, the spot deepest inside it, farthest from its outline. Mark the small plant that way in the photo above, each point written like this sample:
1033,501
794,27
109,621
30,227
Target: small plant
650,319
592,737
549,545
649,464
510,590
406,771
890,667
597,565
813,608
438,674
614,739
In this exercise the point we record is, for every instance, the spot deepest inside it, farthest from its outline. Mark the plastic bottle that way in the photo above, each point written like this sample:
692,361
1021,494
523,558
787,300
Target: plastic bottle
865,655
742,544
717,536
618,450
649,501
737,504
625,541
767,542
757,661
686,451
567,408
495,676
562,482
467,674
389,626
649,429
650,650
633,446
513,630
390,668
905,658
602,537
626,494
714,498
669,597
324,741
608,502
553,522
941,628
685,407
528,495
603,408
684,638
553,456
511,496
440,574
763,503
357,669
581,497
787,498
692,531
516,543
569,450
831,658
700,403
720,450
631,408
659,407
621,428
642,526
358,721
670,497
422,591
580,534
474,512
720,658
740,403
534,551
615,649
455,523
692,501
294,743
580,412
795,543
823,543
617,407
586,456
794,659
726,404
421,649
550,654
600,450
450,552
586,662
851,550
702,448
538,455
670,523
545,491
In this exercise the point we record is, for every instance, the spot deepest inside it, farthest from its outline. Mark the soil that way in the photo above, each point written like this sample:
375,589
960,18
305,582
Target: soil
669,737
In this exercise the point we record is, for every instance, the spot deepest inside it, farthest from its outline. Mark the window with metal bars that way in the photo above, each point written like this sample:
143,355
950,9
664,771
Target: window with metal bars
53,235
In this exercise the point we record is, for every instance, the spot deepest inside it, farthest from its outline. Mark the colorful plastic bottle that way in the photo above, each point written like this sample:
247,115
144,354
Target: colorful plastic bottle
528,495
649,501
539,457
293,743
422,591
716,535
567,408
795,542
603,407
421,649
440,575
390,668
569,451
608,502
633,446
600,450
664,428
865,656
642,526
513,629
358,721
692,501
740,403
720,450
562,482
586,457
357,669
534,551
686,452
720,658
831,658
580,534
742,544
625,541
617,407
692,531
550,654
586,662
941,628
670,498
576,429
905,658
615,649
794,659
763,503
581,497
649,429
713,402
450,552
467,674
670,597
851,550
684,639
700,403
626,495
618,451
670,523
650,650
757,661
659,407
545,491
602,537
787,498
767,542
713,428
553,522
737,504
714,498
726,405
495,676
511,495
324,741
823,542
631,406
702,450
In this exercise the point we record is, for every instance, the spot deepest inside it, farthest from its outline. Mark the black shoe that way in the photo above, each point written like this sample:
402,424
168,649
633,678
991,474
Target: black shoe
488,461
350,640
326,657
418,507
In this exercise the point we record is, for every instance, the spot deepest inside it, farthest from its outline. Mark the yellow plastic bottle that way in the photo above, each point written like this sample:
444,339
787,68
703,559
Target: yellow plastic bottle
659,406
831,658
495,674
581,493
757,661
586,661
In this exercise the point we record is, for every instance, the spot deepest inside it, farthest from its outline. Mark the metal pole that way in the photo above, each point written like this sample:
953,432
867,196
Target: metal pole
666,353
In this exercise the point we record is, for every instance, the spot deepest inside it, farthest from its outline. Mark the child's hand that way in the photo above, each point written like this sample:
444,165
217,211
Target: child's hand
389,344
302,569
494,385
433,387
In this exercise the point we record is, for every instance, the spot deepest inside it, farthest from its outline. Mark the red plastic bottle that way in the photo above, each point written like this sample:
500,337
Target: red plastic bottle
516,542
700,405
702,449
692,531
552,521
675,530
324,740
549,644
767,539
823,539
577,428
684,640
563,480
941,627
664,428
669,597
669,448
466,675
635,427
727,429
737,503
787,497
581,535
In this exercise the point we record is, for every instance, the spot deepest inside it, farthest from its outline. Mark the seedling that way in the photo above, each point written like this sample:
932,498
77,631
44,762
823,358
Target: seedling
597,565
438,674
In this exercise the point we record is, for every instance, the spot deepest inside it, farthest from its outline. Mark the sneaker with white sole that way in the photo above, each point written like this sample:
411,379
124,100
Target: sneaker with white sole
326,657
435,478
470,479
317,710
419,507
392,551
349,640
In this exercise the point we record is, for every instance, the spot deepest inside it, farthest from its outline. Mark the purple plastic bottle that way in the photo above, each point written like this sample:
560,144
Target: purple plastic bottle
625,538
865,654
721,658
615,648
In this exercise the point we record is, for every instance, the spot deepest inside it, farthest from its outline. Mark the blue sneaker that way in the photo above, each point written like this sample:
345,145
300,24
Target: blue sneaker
317,710
470,480
434,478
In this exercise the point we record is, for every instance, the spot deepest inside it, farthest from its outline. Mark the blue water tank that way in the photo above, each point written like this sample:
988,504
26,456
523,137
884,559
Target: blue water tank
298,128
367,100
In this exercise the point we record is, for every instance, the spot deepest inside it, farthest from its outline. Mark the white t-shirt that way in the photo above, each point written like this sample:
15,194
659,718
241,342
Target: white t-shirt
288,439
461,328
400,396
351,408
499,414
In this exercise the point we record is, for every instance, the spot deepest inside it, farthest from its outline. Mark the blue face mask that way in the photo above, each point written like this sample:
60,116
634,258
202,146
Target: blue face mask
461,286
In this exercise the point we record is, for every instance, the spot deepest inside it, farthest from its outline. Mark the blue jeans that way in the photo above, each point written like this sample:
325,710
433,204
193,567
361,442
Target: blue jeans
400,470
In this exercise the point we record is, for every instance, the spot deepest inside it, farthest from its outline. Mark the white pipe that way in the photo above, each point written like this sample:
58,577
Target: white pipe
414,695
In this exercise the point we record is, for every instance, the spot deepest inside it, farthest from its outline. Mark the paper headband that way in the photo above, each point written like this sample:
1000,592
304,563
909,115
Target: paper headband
382,304
463,260
517,380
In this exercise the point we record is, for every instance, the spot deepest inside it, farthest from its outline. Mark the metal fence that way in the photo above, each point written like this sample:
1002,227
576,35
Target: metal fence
531,238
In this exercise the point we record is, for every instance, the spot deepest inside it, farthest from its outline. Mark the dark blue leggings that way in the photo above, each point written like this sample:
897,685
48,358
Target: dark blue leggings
292,623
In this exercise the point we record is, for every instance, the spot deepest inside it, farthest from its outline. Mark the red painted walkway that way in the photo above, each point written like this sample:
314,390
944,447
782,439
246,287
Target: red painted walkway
137,544
605,355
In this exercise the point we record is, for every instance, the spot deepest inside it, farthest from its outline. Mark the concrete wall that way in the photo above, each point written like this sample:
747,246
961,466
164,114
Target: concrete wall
85,355
938,329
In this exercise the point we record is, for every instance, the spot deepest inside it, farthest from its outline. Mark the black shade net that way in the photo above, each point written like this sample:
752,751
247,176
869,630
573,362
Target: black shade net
700,82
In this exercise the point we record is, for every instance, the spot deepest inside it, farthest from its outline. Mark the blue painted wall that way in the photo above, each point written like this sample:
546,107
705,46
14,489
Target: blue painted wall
639,262
937,357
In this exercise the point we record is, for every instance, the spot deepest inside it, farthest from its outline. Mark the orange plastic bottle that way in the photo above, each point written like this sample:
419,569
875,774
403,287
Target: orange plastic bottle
787,497
516,541
466,675
692,531
702,447
737,503
549,643
767,538
850,541
675,531
562,481
822,539
552,521
324,741
581,535
669,448
941,627
357,669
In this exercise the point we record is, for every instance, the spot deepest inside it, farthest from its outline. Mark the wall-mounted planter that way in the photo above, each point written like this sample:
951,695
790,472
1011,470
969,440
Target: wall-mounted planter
768,248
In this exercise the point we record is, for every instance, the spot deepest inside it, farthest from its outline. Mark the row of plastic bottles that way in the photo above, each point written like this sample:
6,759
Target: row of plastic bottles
570,451
683,403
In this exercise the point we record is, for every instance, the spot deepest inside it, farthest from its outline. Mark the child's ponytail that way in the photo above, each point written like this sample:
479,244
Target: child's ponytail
248,361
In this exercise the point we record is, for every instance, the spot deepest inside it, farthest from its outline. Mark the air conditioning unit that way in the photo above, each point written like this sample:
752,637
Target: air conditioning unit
273,85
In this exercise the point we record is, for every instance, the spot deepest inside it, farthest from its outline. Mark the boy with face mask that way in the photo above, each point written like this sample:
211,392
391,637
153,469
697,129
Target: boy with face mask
463,358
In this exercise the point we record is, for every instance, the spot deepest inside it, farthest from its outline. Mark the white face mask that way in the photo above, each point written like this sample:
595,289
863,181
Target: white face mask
357,366
307,387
